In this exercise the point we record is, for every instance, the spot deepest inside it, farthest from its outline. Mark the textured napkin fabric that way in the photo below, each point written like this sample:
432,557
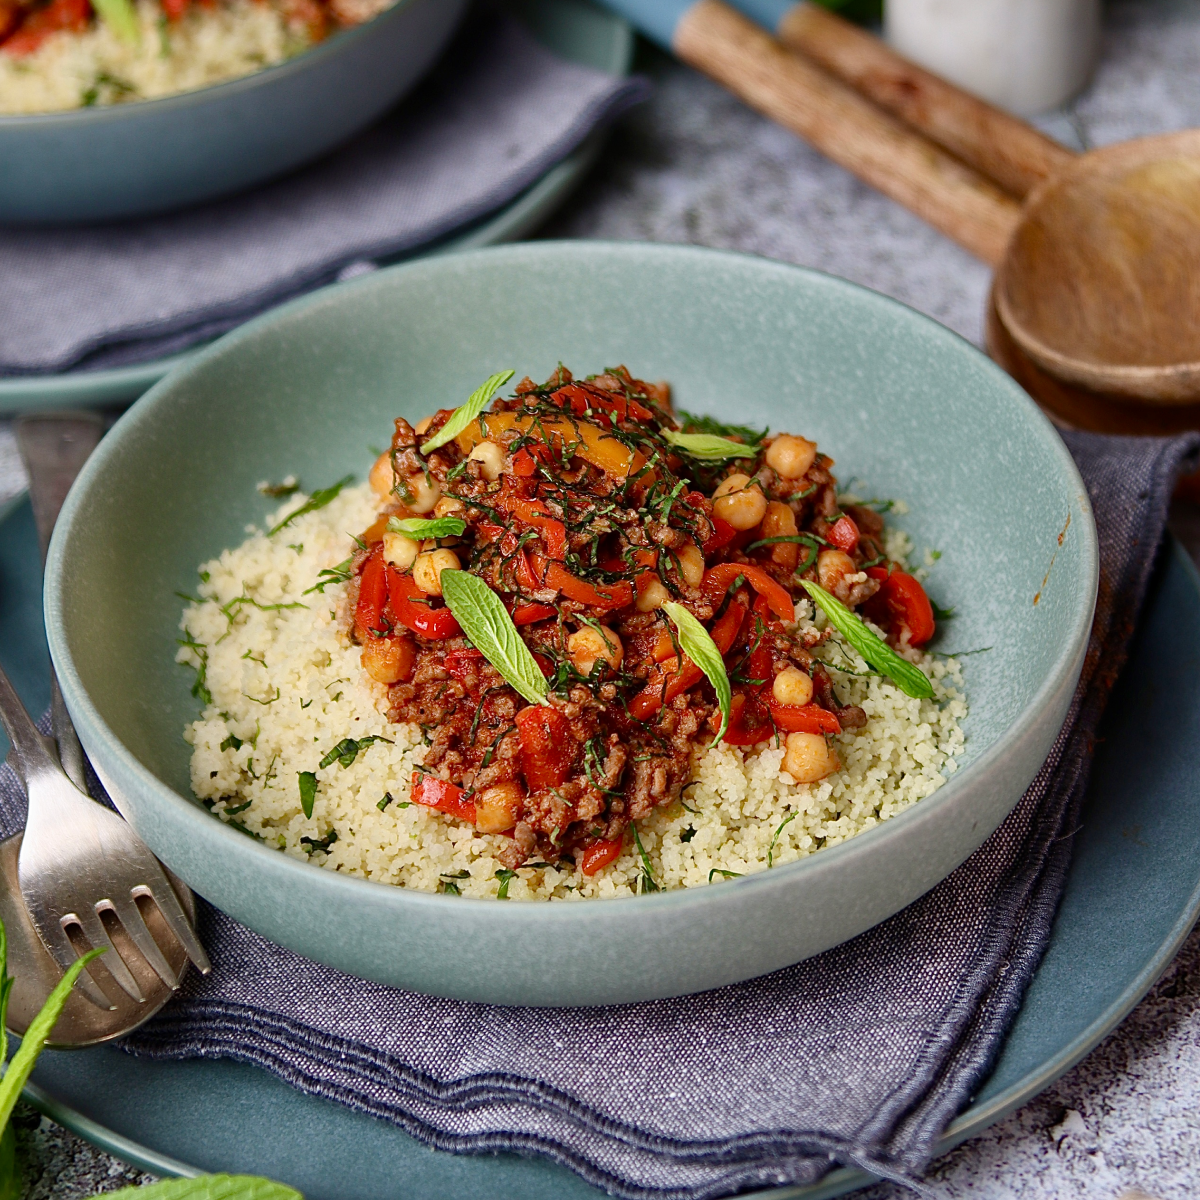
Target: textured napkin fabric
494,117
861,1055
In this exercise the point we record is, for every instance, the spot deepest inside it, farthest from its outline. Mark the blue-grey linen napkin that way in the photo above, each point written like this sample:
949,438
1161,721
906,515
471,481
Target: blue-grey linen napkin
496,114
860,1056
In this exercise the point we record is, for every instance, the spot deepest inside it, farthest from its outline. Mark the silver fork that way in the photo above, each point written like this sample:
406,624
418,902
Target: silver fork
79,859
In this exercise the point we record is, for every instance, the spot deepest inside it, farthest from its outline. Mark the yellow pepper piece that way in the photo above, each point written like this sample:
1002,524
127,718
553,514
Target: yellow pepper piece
588,441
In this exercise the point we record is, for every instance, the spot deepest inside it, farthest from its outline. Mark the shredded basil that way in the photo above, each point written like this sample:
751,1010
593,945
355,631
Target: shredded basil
506,877
308,791
486,622
466,413
319,498
346,751
339,574
698,645
912,681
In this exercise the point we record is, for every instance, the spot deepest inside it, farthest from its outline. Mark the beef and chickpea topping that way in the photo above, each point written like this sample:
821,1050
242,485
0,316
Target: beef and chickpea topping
576,591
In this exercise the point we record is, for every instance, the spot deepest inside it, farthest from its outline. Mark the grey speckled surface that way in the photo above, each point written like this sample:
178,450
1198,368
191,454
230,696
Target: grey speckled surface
695,166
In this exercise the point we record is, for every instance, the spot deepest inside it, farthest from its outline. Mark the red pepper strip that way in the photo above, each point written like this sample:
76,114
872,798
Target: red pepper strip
410,608
723,534
174,9
461,663
748,724
372,595
446,797
535,514
880,573
40,24
605,596
843,535
909,607
547,748
717,581
527,614
523,463
804,718
667,679
598,855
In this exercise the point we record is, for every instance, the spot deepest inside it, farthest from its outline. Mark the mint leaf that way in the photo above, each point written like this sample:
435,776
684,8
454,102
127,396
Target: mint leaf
466,413
486,622
417,527
707,446
209,1187
697,644
308,791
912,680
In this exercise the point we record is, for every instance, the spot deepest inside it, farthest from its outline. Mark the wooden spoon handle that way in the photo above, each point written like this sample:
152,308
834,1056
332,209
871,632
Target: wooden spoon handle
833,118
1013,153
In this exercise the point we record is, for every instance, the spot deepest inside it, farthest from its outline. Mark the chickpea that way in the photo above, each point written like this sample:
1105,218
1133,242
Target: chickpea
490,455
780,521
808,757
382,477
588,644
388,660
739,502
447,506
790,456
652,594
422,426
399,550
832,568
428,568
691,563
793,687
425,492
497,807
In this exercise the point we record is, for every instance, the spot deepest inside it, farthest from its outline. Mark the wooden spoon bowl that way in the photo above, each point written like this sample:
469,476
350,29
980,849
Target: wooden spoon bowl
1100,283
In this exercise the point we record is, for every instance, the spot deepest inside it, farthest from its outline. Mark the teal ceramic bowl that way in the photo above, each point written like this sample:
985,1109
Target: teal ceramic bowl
908,409
153,156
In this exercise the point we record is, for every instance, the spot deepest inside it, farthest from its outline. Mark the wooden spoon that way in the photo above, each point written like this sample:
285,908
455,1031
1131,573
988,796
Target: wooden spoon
1096,275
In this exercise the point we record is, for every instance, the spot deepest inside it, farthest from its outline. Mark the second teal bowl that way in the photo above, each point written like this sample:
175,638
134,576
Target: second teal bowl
908,409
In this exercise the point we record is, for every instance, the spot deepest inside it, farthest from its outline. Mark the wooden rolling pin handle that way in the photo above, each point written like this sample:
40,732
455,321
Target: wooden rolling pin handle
1013,153
875,146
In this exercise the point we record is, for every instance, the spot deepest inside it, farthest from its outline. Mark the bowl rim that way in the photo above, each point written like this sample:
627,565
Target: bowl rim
131,111
267,861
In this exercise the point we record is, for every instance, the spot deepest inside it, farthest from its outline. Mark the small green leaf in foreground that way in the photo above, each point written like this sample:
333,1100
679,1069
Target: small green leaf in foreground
466,413
319,498
698,645
210,1187
120,17
912,680
308,791
706,446
486,622
18,1071
418,527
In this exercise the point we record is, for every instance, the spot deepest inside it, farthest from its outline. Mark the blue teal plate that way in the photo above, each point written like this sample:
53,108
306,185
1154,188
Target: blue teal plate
576,30
1132,896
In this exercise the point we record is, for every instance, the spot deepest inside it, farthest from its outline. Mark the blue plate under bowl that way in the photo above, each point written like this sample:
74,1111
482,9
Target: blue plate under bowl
152,156
908,409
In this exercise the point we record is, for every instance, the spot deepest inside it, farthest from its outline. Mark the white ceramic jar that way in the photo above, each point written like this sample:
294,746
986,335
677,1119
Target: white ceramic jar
1024,55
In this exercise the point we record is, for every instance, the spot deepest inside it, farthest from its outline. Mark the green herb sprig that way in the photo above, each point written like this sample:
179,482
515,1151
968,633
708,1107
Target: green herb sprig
486,622
707,447
417,527
697,644
466,413
912,681
319,499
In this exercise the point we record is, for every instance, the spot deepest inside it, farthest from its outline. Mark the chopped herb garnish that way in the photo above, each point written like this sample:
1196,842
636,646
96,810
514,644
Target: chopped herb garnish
347,750
321,844
308,791
912,680
940,613
231,743
232,812
506,877
688,834
319,499
646,881
466,413
775,838
723,874
280,491
339,574
388,798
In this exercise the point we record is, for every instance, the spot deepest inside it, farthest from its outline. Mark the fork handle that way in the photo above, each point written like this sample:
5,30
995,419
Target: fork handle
28,745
